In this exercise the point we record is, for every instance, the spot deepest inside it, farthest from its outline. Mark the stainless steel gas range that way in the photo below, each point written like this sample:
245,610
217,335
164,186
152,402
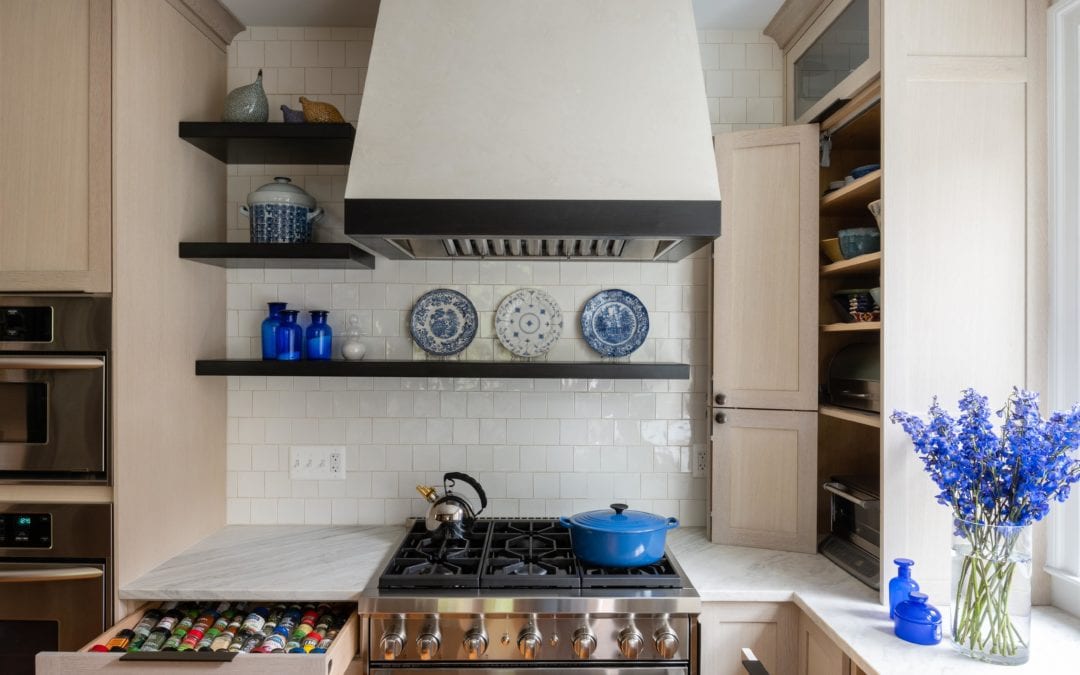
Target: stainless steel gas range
510,594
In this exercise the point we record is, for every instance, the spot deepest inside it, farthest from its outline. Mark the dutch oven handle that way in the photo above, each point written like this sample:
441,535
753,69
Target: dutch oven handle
455,475
672,523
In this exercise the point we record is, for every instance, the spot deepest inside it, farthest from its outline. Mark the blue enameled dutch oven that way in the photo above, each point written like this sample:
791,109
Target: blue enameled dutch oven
619,537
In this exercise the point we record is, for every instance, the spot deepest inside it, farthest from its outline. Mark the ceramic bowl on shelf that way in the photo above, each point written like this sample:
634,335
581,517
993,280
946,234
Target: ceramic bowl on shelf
831,249
875,210
860,171
856,241
855,305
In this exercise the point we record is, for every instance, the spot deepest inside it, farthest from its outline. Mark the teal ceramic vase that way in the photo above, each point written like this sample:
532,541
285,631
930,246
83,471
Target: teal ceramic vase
247,103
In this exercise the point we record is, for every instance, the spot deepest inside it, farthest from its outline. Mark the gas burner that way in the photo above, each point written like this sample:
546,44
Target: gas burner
427,561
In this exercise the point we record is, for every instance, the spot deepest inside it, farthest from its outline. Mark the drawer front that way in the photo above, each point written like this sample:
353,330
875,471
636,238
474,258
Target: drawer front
338,659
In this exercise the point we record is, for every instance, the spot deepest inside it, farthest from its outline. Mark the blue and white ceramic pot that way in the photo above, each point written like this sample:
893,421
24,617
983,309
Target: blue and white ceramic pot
281,213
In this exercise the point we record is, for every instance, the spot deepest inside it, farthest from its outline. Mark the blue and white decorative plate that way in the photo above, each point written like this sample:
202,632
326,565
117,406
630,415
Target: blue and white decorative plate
614,322
528,322
443,322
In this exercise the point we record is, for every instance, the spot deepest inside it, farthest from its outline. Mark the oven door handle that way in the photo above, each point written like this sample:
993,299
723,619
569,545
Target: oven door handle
49,574
47,363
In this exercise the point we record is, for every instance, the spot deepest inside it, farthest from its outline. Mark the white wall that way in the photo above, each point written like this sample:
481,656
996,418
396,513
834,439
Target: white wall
540,447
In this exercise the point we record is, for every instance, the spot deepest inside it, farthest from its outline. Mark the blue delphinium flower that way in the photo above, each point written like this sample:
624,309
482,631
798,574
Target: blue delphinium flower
1006,479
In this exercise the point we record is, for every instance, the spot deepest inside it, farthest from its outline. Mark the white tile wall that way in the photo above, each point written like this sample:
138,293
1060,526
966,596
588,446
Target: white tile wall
539,447
743,79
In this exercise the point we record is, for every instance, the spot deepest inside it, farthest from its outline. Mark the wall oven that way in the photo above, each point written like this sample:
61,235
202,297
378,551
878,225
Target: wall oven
54,383
55,579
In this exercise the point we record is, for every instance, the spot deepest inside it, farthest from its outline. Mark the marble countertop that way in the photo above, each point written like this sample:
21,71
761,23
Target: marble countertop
297,562
271,562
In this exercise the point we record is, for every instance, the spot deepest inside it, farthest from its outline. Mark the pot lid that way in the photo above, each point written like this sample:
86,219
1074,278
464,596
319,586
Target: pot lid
281,191
619,519
916,610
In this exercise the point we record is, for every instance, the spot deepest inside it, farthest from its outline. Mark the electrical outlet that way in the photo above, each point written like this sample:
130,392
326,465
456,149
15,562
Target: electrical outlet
317,462
699,461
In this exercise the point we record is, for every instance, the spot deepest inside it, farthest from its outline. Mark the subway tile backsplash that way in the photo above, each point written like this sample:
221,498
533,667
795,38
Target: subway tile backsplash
539,447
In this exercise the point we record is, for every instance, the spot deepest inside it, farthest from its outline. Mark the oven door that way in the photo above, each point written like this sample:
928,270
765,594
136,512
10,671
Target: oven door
554,669
47,607
52,415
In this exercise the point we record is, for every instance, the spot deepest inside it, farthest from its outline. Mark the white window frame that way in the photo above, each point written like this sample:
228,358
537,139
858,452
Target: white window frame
1063,551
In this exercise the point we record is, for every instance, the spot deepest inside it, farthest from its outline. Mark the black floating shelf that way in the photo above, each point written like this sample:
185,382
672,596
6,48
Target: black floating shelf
485,369
319,255
272,142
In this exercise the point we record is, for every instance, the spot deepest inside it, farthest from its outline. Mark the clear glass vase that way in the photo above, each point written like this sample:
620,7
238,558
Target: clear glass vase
991,591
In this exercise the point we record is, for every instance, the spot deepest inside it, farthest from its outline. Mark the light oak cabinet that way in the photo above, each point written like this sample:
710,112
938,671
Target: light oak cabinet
764,472
818,655
764,333
55,145
768,629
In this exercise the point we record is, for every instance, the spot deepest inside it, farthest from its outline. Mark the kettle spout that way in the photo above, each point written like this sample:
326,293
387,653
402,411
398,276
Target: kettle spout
428,493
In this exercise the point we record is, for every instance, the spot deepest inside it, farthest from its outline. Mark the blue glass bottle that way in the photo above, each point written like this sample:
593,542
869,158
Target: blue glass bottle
902,585
320,337
269,331
290,337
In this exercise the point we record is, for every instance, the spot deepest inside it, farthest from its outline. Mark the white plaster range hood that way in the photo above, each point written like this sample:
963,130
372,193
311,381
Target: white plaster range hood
533,129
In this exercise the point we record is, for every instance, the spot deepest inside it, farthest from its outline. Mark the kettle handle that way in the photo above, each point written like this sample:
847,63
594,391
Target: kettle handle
455,475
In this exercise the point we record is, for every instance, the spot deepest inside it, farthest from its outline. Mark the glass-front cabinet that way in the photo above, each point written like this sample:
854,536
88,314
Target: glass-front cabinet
839,54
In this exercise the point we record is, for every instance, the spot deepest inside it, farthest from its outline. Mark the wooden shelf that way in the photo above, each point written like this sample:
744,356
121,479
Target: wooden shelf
855,327
864,417
433,368
854,196
244,255
863,264
272,142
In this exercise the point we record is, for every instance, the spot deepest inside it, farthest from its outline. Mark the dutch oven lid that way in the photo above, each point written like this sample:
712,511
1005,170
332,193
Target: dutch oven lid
620,519
281,191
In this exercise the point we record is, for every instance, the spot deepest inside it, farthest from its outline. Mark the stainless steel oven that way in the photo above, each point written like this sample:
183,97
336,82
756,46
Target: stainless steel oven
55,579
54,382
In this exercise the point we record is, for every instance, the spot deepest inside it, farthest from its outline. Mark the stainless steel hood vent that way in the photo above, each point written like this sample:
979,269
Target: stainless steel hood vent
563,129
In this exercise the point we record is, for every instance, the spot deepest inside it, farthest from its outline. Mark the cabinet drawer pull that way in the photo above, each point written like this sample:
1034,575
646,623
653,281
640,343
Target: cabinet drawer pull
720,418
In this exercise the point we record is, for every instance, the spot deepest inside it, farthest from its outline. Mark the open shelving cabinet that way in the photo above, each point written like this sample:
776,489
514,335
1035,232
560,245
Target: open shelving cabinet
849,440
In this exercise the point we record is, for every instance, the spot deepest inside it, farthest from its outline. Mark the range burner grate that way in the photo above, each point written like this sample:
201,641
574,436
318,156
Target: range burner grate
661,574
424,561
530,554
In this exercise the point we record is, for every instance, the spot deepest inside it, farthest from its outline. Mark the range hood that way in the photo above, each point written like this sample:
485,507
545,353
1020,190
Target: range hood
561,129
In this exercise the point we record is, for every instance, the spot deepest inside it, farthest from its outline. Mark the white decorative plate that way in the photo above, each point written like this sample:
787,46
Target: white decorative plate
528,322
443,322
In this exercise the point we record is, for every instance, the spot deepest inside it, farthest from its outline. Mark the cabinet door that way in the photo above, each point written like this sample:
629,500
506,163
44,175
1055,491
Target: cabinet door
765,270
818,655
763,479
55,141
768,629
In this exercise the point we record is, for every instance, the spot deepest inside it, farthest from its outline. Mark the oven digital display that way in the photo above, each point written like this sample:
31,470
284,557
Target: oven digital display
25,530
26,324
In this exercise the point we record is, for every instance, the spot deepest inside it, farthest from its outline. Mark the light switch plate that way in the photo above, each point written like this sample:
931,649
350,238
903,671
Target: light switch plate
317,462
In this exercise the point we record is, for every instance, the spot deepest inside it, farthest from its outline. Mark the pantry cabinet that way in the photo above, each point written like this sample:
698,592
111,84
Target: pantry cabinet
764,305
763,480
56,145
768,629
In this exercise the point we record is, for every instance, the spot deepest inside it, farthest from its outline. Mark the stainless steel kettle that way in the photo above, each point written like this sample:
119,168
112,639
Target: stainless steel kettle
449,515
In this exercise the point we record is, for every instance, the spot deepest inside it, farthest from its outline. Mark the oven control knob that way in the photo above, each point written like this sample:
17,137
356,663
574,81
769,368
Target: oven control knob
667,642
427,645
475,644
584,642
631,642
391,645
529,642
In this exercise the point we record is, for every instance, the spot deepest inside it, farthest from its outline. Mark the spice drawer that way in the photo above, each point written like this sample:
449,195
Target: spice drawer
339,659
